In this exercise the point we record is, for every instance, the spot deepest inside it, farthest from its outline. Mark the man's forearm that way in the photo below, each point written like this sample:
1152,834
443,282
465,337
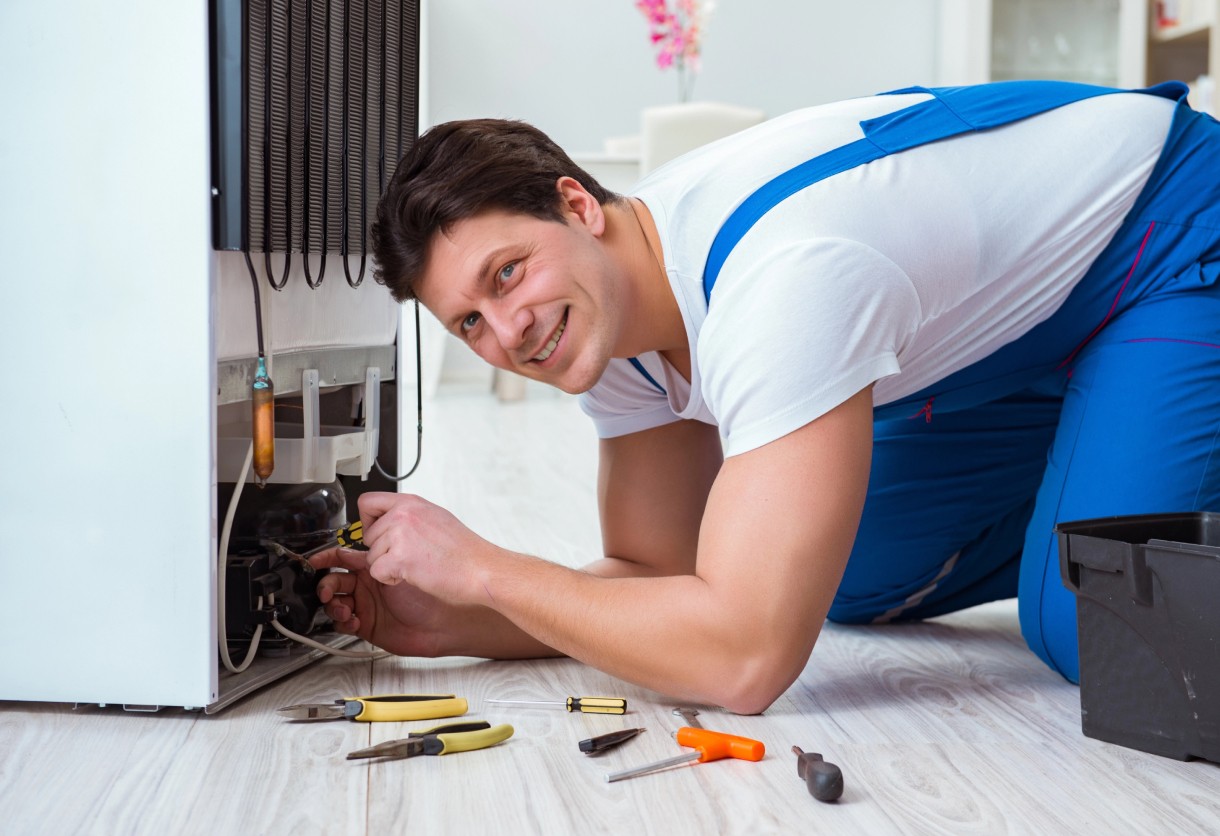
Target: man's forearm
488,634
690,647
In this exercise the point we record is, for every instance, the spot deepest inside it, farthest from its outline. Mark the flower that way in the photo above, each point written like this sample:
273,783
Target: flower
677,33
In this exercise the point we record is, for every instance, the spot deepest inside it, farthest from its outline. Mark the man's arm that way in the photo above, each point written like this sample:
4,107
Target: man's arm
653,486
774,539
652,491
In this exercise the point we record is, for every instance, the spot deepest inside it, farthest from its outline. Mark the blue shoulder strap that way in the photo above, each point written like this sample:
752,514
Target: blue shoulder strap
639,367
950,111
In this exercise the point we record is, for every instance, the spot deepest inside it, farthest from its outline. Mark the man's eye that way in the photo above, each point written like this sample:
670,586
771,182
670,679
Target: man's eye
506,272
469,322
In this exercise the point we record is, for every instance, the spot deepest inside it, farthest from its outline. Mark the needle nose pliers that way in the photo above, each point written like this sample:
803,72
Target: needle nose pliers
386,708
439,740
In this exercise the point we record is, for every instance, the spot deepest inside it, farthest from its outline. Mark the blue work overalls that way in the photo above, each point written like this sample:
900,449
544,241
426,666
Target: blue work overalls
1110,406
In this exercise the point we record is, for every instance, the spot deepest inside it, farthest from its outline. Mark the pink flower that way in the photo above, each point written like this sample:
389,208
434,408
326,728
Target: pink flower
677,33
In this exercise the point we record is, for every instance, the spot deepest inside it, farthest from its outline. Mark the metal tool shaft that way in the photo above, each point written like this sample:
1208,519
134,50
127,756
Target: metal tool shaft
676,760
530,703
689,715
585,705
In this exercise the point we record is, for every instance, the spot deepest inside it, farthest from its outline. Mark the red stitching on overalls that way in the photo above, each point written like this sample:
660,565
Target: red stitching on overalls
926,412
1113,304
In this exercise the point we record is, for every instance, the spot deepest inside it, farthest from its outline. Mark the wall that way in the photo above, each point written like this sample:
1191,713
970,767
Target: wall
582,69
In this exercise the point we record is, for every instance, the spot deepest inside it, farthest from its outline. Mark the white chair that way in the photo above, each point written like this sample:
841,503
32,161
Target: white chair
669,131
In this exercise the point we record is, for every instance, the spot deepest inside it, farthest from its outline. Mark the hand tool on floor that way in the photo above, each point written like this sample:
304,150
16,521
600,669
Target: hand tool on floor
439,740
386,708
603,742
708,746
585,705
689,715
824,780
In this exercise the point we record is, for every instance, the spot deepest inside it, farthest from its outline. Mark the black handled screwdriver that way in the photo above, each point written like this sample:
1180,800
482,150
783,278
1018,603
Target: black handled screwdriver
585,705
599,744
823,780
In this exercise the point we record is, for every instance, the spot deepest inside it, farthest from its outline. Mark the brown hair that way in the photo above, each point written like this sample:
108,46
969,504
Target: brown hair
457,170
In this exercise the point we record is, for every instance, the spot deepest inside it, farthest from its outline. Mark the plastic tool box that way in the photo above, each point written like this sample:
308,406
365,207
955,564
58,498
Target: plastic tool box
1148,609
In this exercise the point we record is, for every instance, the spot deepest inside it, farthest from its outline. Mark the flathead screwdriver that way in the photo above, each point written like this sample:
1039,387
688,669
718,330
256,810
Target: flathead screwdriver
599,744
585,705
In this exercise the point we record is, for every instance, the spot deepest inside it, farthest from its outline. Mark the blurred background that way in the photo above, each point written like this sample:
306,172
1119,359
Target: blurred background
586,71
582,69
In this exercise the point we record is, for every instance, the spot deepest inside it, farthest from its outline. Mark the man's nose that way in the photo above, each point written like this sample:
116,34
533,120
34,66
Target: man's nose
511,325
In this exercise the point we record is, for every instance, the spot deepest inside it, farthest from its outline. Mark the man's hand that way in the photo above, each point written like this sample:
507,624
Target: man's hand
410,539
401,618
407,593
772,543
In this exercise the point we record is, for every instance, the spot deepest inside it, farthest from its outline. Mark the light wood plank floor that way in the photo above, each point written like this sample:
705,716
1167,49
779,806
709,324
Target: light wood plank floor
950,726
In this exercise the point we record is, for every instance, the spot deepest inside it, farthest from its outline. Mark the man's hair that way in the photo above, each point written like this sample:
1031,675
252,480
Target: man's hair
460,169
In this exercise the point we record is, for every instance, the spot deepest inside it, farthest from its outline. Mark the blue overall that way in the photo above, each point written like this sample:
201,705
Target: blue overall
1110,406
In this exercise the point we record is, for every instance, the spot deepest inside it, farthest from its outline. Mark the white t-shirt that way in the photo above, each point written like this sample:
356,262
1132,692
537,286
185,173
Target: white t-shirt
899,272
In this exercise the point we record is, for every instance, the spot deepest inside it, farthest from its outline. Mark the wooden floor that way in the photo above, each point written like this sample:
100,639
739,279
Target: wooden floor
950,726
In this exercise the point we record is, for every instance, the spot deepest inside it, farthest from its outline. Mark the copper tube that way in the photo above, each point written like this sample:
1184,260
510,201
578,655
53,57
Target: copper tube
263,425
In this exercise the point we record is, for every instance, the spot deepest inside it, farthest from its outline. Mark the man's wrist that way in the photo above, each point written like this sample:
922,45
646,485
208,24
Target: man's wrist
489,563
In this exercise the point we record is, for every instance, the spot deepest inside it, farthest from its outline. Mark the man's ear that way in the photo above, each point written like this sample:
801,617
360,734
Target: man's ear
575,202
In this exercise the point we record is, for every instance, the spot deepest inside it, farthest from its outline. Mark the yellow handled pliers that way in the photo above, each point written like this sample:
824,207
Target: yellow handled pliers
386,708
440,740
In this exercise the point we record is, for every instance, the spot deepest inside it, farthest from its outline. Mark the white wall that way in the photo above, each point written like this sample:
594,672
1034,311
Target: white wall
582,69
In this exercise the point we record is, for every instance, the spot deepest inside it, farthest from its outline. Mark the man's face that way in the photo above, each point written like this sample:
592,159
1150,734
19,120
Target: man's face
531,296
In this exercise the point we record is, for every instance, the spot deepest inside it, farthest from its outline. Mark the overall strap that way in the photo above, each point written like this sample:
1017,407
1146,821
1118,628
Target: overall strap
639,367
950,111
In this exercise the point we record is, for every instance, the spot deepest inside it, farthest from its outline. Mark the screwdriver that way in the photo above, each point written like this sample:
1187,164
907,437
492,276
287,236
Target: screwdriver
708,746
585,705
823,779
349,536
604,742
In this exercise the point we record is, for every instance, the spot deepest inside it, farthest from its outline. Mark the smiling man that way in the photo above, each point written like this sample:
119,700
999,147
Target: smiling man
854,363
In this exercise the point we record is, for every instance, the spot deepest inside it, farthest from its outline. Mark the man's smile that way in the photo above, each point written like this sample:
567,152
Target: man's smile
547,349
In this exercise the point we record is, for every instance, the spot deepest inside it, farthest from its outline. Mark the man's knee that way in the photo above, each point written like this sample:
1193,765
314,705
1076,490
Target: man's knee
1048,626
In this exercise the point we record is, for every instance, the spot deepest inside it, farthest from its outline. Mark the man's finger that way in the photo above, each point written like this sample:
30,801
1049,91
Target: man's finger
339,583
375,503
383,566
373,506
350,626
386,575
340,558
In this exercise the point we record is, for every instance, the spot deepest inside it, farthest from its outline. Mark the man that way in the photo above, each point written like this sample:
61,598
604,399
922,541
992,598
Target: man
949,319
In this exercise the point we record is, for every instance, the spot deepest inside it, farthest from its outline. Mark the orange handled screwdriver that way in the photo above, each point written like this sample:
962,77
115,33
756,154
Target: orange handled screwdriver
707,745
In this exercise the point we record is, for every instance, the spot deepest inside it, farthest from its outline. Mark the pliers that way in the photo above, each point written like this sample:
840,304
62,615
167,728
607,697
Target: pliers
386,708
439,740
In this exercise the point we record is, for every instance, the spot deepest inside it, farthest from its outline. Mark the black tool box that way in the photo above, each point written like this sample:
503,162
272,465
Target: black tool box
1148,609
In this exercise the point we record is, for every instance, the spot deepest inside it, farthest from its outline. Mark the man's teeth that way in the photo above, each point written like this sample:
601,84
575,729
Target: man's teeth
554,341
